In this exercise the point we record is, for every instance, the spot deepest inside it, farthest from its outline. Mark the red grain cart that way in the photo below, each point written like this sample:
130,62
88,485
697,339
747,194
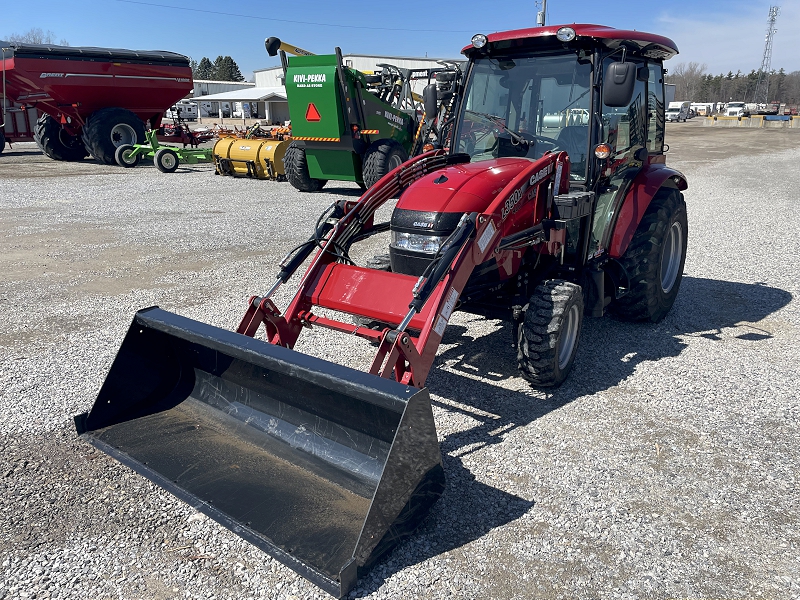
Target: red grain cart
91,100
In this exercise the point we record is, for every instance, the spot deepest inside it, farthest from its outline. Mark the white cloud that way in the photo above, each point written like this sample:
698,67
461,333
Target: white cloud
734,39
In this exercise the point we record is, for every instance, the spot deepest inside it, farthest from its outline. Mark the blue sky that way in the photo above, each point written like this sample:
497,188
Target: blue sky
724,35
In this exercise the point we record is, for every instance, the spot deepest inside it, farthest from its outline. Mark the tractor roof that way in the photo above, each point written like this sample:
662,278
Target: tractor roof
648,44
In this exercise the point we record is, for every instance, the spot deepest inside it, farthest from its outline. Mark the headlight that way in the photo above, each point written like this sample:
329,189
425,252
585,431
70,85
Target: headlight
479,40
429,244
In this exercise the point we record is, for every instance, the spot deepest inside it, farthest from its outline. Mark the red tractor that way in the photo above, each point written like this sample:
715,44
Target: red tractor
549,198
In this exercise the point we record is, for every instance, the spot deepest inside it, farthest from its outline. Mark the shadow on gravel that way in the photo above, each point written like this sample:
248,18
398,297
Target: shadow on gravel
609,353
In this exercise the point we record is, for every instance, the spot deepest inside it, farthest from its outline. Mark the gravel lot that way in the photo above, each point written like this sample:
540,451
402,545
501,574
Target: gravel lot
667,466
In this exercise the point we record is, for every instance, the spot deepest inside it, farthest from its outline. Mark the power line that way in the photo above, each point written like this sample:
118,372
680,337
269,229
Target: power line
251,17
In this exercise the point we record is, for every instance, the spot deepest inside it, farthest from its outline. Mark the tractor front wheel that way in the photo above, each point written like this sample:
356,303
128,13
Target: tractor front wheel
2,141
55,142
382,157
125,157
654,260
109,128
547,339
166,160
296,168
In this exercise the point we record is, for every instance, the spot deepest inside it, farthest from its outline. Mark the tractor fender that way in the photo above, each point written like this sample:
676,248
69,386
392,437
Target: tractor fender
638,197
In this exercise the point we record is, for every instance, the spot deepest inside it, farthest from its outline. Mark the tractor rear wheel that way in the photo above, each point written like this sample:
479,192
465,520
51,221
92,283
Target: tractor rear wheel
296,168
109,128
547,339
57,143
381,157
654,260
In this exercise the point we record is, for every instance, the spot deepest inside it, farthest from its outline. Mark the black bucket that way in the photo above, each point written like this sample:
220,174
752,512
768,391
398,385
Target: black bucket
324,467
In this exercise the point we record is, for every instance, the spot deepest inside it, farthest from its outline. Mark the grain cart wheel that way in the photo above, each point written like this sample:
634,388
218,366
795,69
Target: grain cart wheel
57,143
166,159
548,336
124,156
654,260
109,128
296,168
381,157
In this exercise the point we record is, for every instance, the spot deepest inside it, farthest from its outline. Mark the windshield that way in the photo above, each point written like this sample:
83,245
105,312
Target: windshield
736,104
526,106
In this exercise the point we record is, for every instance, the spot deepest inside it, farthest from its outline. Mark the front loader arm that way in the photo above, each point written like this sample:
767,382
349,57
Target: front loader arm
410,359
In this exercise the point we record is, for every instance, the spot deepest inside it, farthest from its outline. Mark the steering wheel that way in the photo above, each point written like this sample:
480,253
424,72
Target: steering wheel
550,145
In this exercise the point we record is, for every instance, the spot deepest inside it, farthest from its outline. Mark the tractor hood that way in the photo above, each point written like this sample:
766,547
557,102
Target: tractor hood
458,189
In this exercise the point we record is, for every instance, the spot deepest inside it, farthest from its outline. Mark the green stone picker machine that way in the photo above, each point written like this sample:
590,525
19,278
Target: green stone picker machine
548,199
348,125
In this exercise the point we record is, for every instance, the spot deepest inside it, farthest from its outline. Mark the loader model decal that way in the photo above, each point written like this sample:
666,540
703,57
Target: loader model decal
514,199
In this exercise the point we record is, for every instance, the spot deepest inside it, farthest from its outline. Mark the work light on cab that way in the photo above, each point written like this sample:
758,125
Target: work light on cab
565,34
479,40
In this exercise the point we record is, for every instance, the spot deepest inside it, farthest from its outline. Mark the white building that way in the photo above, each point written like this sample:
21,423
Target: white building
206,87
268,103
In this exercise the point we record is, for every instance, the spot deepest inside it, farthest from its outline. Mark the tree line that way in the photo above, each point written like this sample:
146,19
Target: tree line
36,36
224,68
693,82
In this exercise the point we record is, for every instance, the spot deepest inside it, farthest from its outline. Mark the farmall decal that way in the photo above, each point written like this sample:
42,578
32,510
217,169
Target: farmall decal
46,75
516,196
310,80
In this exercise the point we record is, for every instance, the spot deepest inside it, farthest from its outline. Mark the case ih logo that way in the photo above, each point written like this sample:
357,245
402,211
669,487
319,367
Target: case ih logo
423,224
44,75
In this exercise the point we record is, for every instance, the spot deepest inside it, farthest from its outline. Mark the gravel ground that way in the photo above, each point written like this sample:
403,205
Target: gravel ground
665,467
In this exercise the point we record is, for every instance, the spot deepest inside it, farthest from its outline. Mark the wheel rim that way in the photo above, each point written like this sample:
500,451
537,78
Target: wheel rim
168,160
569,336
395,161
127,158
671,257
122,133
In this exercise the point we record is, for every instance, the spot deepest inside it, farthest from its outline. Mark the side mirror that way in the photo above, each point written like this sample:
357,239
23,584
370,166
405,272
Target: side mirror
618,84
430,101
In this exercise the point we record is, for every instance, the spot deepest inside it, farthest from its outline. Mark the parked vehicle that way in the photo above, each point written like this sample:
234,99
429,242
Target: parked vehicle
737,109
92,100
678,111
185,110
327,468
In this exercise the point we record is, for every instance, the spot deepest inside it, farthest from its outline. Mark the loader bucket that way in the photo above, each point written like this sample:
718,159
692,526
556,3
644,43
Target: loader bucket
322,466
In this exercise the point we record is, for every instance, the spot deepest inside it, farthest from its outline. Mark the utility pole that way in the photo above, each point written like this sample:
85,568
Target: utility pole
540,16
762,87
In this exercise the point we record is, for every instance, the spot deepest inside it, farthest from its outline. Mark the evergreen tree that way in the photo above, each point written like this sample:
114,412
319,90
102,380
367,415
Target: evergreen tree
204,69
226,69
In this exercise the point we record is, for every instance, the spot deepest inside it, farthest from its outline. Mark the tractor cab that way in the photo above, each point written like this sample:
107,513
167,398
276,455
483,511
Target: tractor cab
594,92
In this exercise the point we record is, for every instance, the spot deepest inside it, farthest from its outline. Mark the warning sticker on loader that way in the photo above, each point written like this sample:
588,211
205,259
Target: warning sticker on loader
449,304
440,326
486,236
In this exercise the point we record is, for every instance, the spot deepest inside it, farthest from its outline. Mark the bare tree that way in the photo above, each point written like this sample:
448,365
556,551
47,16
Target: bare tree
35,35
688,79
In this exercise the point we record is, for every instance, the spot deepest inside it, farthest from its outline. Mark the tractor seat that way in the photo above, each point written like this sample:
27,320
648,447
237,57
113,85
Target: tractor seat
574,140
